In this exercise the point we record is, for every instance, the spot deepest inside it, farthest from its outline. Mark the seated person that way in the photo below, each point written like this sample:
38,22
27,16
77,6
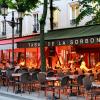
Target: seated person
17,68
68,72
79,71
83,67
97,67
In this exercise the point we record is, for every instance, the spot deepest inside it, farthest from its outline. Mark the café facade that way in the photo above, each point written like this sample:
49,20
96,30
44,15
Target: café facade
62,47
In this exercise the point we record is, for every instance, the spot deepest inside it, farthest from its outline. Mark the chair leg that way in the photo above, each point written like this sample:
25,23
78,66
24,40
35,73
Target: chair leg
29,88
8,85
59,94
14,88
45,92
95,98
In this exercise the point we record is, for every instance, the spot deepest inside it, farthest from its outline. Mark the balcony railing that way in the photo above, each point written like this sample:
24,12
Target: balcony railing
73,21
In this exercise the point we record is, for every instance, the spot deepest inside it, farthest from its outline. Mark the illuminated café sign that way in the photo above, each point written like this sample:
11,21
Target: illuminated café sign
72,41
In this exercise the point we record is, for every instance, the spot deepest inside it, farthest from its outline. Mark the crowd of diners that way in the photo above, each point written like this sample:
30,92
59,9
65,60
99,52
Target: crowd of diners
70,69
60,70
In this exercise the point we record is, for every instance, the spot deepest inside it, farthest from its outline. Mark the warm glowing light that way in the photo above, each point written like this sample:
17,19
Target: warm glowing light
22,63
83,66
57,83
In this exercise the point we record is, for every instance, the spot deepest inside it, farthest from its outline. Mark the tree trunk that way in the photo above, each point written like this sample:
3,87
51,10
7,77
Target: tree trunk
42,41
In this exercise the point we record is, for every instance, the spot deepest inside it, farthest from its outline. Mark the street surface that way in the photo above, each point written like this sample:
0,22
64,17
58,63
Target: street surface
7,98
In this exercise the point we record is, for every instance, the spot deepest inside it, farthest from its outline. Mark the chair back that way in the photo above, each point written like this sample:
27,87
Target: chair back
87,83
32,70
0,73
17,70
24,70
92,77
9,72
42,77
65,81
98,76
80,79
25,77
34,76
50,74
76,72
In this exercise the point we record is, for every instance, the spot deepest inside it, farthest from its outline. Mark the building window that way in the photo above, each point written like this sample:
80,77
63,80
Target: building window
56,14
36,23
74,12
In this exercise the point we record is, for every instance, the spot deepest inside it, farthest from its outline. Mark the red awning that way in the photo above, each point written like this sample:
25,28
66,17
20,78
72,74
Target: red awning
9,41
18,50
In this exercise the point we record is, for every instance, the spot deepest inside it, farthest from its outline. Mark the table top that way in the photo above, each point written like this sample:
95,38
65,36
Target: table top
16,74
87,74
3,70
96,84
73,76
53,78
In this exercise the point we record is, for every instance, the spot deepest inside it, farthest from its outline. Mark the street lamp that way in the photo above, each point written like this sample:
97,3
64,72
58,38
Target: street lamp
12,23
4,12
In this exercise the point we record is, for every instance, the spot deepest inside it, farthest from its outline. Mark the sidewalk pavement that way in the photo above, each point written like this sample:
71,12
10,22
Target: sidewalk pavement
4,95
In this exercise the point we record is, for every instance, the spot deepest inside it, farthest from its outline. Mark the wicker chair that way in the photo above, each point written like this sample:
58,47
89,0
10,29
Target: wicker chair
23,83
34,80
42,81
87,86
64,85
98,76
50,74
9,79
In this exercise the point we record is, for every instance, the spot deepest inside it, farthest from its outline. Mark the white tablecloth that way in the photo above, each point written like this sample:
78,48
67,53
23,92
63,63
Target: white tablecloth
96,84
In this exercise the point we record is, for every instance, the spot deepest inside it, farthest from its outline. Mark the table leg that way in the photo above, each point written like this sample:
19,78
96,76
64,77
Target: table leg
54,97
18,88
72,94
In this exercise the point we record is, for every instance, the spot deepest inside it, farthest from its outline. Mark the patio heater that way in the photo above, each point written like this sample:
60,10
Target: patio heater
12,23
4,12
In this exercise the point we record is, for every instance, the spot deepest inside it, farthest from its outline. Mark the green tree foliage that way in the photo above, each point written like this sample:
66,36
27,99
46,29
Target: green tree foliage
21,5
89,7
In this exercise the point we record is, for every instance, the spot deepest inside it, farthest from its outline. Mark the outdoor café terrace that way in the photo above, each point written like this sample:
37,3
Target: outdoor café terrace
54,85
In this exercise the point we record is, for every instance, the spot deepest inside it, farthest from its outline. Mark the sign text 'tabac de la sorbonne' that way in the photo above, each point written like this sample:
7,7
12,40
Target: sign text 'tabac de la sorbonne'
71,41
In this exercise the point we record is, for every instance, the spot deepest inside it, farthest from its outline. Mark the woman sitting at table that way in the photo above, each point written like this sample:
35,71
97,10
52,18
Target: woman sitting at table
83,66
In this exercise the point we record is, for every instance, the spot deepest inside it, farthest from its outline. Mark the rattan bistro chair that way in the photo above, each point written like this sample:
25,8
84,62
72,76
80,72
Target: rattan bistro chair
9,79
64,85
42,81
50,74
34,81
89,89
24,82
98,76
87,86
